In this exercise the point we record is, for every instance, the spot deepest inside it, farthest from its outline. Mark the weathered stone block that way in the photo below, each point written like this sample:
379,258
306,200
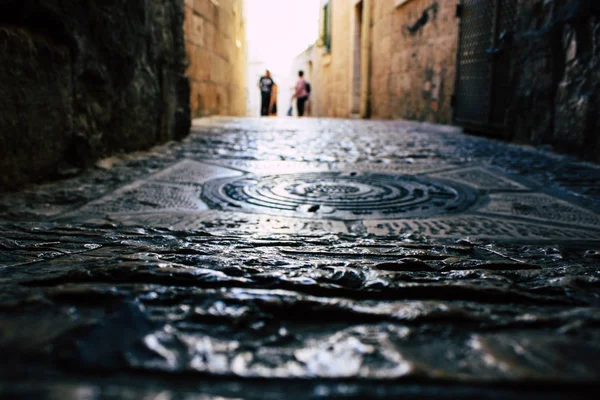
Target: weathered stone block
197,34
207,9
36,102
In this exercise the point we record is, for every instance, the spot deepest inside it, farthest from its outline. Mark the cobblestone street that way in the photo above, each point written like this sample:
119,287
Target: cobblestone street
305,258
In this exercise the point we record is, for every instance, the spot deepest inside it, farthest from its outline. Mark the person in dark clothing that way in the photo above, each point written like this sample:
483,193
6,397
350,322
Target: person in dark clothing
266,86
301,94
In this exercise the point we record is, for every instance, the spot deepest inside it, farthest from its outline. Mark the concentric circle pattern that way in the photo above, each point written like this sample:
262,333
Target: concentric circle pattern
336,195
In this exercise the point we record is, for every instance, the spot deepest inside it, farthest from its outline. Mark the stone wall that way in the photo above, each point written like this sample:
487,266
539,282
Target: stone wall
216,53
80,80
419,60
556,76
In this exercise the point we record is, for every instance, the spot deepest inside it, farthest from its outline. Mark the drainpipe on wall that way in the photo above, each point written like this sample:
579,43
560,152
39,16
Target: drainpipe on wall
365,62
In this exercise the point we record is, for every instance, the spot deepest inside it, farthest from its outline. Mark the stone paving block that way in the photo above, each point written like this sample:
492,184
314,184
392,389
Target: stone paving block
482,227
143,196
481,179
260,167
220,222
542,208
192,172
408,167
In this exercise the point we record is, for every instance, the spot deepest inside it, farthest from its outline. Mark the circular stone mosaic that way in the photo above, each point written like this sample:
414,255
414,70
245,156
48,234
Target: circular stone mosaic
337,195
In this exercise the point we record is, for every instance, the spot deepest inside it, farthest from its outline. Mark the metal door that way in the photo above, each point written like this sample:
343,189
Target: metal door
483,66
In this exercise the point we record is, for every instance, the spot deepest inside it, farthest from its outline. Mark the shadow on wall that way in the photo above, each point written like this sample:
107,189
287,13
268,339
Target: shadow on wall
84,80
423,19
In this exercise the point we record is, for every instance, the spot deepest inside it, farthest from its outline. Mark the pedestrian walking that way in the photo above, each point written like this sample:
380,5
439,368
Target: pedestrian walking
265,85
301,93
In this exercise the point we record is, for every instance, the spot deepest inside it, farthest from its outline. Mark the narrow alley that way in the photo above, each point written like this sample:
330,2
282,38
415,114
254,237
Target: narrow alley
305,258
414,215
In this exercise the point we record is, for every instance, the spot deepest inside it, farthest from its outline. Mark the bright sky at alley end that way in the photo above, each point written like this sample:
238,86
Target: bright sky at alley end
278,30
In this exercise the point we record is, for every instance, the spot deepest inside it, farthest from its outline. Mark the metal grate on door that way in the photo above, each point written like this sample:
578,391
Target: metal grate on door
482,86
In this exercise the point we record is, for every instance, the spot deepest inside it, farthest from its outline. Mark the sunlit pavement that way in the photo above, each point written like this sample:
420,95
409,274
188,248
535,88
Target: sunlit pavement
335,258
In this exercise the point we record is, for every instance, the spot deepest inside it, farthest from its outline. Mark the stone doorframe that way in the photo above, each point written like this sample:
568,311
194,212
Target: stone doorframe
362,45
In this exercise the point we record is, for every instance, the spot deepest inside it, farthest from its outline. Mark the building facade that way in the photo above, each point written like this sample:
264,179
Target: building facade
385,59
525,70
215,42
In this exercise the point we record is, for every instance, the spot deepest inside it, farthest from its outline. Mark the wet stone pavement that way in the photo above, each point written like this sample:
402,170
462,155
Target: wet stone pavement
271,258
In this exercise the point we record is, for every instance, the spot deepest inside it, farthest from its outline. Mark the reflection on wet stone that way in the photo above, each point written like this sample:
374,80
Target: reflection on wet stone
244,260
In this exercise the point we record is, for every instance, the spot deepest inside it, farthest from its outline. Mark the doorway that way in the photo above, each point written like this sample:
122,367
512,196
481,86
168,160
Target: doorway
483,65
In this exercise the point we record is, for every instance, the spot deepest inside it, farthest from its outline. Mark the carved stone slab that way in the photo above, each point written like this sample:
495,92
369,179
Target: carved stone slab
250,196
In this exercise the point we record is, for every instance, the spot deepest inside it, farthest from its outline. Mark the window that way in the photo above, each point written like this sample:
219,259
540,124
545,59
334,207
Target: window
327,26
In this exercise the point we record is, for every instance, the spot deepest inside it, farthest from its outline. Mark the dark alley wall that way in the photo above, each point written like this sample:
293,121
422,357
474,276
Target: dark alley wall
80,80
556,76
